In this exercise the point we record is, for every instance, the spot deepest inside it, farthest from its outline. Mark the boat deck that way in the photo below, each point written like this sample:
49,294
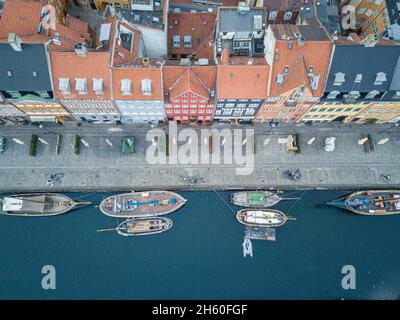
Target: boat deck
374,202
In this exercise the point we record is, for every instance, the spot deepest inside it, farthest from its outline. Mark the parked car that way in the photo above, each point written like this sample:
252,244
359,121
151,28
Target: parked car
2,144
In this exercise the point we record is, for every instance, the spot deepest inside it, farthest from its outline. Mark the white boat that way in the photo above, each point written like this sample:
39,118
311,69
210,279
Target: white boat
247,247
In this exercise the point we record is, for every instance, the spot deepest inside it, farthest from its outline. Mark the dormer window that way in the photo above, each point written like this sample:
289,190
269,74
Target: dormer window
146,87
314,81
126,87
98,86
358,78
372,94
81,85
333,94
380,78
63,86
287,15
339,79
279,78
272,15
353,95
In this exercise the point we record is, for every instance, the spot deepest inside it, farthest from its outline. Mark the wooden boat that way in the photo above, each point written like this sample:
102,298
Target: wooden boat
257,199
38,204
370,202
261,217
144,226
142,204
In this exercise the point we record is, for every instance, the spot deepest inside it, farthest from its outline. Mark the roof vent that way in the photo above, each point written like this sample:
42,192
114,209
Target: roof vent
185,62
146,62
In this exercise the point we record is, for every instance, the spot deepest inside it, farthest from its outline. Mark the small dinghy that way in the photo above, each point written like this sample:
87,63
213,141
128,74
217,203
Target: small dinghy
247,247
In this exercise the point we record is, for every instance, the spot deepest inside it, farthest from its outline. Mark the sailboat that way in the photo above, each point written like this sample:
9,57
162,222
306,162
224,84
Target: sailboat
38,204
257,199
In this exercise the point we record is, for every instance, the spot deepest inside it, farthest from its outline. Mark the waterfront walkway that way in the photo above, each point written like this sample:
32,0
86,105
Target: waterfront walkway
101,167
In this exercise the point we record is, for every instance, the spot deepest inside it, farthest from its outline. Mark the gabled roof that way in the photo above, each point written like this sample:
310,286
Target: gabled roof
21,17
296,78
198,25
22,64
189,82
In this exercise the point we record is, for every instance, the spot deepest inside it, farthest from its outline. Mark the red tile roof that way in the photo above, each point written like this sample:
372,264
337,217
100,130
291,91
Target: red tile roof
189,82
21,17
206,74
66,64
241,80
136,75
199,26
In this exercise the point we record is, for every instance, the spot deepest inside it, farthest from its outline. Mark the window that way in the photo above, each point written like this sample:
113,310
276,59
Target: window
146,87
333,94
187,41
98,86
372,94
380,78
287,15
362,11
43,94
14,94
285,70
63,86
272,15
34,73
339,79
81,85
176,41
358,78
126,87
279,78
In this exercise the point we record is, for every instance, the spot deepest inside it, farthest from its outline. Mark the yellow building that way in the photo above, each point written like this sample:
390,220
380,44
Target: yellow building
41,110
101,4
372,15
333,111
381,112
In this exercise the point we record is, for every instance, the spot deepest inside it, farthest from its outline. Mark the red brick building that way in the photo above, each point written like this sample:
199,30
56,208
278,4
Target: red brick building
189,93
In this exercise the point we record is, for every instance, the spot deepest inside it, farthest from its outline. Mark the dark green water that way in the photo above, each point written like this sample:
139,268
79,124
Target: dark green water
201,256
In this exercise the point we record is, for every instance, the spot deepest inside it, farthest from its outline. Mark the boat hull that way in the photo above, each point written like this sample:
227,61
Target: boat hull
370,202
255,199
144,226
142,204
40,205
267,218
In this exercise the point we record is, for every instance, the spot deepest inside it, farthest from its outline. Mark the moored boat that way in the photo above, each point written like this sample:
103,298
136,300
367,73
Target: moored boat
257,199
142,204
370,202
261,217
144,226
38,204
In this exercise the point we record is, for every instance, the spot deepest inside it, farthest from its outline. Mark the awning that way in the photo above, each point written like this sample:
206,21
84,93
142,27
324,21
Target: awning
44,119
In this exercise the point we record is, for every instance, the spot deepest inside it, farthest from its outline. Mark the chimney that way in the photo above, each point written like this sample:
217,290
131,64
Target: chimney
370,41
81,49
14,41
225,56
146,62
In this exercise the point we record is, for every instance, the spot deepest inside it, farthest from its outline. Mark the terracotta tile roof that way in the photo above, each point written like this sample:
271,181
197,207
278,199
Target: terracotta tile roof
199,26
296,78
189,82
136,75
206,75
66,64
314,54
79,26
21,17
242,81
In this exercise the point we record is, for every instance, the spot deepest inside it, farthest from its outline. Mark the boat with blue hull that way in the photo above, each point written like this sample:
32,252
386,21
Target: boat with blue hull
370,202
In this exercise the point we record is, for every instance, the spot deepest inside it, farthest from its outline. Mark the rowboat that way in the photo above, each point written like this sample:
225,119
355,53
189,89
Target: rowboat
261,217
144,226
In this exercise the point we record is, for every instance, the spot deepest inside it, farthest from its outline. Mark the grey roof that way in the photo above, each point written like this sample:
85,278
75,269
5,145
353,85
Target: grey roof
368,61
393,7
22,64
233,21
395,85
327,13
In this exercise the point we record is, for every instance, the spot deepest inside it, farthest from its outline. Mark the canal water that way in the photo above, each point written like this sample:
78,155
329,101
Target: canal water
201,256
